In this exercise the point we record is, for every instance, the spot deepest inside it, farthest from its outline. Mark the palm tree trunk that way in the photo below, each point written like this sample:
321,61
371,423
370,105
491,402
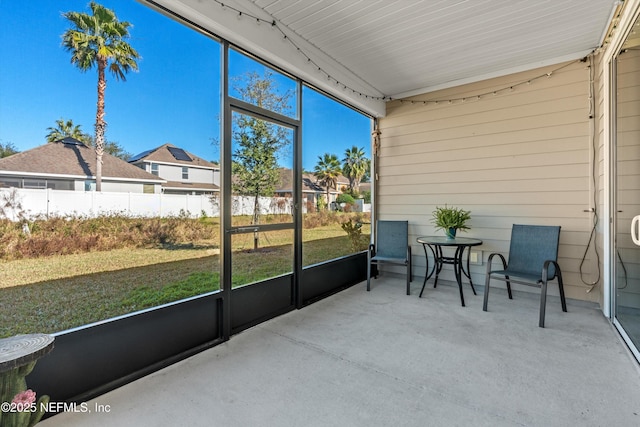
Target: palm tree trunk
100,123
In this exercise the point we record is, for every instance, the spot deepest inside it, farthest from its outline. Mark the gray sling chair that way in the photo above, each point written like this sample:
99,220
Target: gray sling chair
533,261
391,247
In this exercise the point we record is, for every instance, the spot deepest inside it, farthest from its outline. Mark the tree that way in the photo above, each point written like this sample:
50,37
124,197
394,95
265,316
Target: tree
258,143
116,150
113,148
327,171
7,149
354,166
98,40
64,129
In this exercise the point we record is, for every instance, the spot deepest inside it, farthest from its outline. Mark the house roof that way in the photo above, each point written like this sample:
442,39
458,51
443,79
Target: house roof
169,153
310,183
365,186
71,158
367,51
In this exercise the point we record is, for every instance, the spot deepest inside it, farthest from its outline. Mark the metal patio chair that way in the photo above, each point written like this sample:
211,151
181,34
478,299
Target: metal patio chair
391,247
533,261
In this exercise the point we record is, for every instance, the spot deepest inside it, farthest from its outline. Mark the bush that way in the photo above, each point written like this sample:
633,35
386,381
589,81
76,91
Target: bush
354,231
325,218
322,203
71,235
345,198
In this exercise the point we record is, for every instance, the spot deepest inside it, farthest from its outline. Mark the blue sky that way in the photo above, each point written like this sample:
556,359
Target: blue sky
173,98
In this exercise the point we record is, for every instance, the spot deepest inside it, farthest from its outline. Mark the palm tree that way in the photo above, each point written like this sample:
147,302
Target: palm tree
66,129
327,171
355,165
99,40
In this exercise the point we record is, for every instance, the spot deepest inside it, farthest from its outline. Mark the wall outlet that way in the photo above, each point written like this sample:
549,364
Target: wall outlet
475,257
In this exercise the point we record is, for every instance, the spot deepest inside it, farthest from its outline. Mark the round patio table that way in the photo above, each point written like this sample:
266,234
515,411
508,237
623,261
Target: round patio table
435,244
18,356
21,350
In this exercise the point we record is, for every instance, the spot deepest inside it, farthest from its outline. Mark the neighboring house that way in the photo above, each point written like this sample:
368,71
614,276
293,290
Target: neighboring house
185,173
365,186
311,188
70,165
342,185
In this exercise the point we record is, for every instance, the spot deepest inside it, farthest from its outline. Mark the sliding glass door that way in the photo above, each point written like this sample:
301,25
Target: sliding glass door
627,192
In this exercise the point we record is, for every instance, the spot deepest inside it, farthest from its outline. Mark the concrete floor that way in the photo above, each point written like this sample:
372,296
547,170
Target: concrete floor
383,358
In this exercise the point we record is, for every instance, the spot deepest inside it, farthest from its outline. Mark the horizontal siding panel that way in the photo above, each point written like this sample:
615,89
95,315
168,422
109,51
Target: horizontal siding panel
498,216
486,176
629,108
490,109
426,143
628,167
505,151
556,185
481,112
628,138
628,124
497,125
501,213
540,161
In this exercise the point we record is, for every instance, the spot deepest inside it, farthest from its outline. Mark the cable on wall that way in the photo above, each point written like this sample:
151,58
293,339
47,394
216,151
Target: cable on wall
506,89
594,141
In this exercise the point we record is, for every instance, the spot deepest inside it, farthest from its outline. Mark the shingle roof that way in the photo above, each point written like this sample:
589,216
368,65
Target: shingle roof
162,154
71,159
310,183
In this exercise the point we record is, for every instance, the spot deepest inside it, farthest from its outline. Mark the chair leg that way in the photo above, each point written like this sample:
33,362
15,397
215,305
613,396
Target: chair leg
409,278
560,285
509,287
368,275
486,292
543,302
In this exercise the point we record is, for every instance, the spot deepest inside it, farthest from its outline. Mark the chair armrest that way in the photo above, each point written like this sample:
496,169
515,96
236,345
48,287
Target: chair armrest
490,260
372,249
545,270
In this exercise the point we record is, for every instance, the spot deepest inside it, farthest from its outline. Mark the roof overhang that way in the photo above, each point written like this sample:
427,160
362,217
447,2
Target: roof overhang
81,177
367,52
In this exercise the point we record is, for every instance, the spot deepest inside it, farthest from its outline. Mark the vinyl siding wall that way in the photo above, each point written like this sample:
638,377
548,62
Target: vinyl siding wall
521,156
174,173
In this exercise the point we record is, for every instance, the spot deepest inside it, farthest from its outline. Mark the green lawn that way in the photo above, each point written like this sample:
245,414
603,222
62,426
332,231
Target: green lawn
55,293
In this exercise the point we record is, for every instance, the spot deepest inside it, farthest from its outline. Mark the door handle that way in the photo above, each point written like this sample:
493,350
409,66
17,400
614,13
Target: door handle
635,230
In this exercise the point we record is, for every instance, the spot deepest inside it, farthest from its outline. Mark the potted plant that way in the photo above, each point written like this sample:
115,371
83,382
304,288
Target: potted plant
450,219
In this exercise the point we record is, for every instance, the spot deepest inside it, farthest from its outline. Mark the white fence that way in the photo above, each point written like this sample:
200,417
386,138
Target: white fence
31,203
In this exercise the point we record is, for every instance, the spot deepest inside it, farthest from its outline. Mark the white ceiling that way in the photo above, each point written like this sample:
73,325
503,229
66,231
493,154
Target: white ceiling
398,48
